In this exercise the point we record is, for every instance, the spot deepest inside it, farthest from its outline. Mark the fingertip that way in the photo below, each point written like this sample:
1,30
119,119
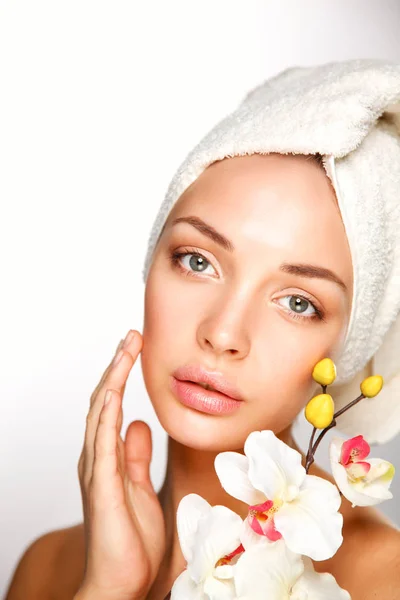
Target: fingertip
138,337
138,441
139,427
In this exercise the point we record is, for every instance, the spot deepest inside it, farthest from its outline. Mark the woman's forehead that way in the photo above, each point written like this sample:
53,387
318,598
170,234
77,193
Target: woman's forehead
245,179
257,196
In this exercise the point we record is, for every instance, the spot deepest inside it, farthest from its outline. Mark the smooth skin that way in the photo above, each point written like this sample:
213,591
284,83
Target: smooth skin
233,317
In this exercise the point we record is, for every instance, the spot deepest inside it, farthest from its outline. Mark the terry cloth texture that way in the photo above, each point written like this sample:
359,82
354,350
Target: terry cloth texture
349,112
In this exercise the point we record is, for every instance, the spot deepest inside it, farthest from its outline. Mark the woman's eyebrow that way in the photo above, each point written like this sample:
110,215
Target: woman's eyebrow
207,230
300,269
312,271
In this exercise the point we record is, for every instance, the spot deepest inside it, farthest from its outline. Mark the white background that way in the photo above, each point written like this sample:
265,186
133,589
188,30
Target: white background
99,103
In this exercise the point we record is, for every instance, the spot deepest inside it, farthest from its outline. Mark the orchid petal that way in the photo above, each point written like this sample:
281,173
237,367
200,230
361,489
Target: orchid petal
318,586
270,530
256,525
308,563
355,445
267,571
274,467
265,528
263,507
214,589
217,534
381,472
184,588
190,509
249,537
311,524
223,572
358,469
371,493
232,471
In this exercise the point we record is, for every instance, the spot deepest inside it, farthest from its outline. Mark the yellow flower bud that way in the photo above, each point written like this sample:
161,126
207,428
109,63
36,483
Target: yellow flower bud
324,372
371,386
320,410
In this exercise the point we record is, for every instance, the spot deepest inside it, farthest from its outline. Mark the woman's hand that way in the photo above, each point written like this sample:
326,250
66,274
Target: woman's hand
123,519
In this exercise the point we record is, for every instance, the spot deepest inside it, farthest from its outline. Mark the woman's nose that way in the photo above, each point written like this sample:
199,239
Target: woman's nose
221,335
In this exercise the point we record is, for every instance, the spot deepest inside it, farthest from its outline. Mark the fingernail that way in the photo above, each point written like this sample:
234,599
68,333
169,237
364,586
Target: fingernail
118,357
128,338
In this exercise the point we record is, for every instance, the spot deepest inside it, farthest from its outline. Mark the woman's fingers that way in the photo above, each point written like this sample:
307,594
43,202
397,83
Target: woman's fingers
84,454
108,369
106,372
106,482
118,372
115,379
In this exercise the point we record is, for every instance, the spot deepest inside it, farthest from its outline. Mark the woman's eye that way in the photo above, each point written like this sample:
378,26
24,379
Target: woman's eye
190,262
298,305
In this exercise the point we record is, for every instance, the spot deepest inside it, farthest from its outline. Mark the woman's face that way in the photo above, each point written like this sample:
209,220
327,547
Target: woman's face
235,310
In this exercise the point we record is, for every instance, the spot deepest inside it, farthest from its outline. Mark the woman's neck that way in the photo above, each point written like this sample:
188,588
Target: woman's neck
192,471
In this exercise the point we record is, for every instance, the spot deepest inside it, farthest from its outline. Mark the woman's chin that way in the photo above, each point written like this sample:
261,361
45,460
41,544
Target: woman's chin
199,430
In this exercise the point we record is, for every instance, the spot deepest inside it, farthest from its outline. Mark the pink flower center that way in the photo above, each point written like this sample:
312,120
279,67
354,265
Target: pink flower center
353,452
261,518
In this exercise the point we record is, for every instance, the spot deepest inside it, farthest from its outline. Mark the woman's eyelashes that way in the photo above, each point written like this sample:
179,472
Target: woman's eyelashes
200,262
299,303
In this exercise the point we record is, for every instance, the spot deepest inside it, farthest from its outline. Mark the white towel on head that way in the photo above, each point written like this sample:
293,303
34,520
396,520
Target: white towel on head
349,112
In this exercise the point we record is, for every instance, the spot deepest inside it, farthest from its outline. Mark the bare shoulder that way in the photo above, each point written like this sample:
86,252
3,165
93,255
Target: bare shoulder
51,567
371,550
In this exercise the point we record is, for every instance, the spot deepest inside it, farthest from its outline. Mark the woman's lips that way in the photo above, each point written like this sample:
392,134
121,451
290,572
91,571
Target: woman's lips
195,396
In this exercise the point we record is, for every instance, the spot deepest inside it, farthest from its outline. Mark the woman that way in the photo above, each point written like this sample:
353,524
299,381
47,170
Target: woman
228,294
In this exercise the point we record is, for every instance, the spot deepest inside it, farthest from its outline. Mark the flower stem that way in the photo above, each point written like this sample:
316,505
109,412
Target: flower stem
352,403
321,435
310,458
312,448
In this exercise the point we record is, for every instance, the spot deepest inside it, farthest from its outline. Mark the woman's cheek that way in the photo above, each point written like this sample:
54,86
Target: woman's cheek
286,384
169,317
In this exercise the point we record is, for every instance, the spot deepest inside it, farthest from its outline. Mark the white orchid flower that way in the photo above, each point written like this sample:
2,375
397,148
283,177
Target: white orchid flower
284,501
317,586
267,571
272,571
209,537
363,482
